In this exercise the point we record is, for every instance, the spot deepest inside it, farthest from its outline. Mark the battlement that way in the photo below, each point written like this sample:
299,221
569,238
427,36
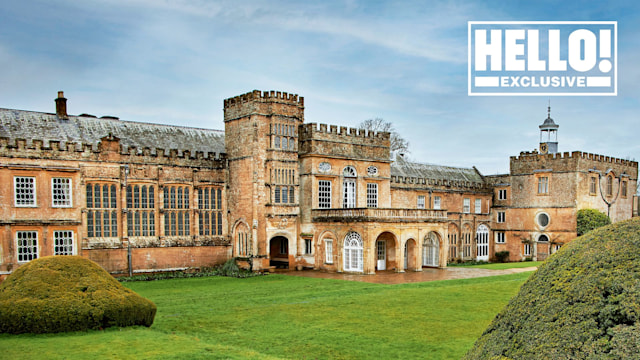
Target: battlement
265,96
419,182
83,151
311,129
534,156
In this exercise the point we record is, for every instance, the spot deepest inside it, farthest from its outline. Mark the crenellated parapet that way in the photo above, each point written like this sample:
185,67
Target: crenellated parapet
313,129
417,183
265,96
331,140
265,103
528,162
107,150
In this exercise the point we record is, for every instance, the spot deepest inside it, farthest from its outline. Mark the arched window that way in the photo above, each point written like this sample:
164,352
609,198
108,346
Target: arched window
482,243
353,252
349,171
349,187
609,185
430,250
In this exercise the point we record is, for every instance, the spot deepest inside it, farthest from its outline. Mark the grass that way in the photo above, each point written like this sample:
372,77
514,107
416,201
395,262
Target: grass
283,317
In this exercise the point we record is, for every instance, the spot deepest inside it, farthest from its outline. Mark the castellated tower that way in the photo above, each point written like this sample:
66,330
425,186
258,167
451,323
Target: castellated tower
261,140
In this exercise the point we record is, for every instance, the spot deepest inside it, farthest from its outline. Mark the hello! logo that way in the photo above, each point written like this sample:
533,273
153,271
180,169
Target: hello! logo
530,58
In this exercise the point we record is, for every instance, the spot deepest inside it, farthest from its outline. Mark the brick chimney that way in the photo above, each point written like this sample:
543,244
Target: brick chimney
61,106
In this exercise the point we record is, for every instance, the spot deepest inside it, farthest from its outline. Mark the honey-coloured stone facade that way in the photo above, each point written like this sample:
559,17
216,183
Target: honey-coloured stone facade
273,191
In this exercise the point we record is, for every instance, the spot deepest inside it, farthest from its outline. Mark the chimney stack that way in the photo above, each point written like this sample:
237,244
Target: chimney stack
61,106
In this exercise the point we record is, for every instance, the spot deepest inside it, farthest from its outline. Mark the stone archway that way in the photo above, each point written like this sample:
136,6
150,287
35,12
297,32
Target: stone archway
431,250
279,252
385,250
410,261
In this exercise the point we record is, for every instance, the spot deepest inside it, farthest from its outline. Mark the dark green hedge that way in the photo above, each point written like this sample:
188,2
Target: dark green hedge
68,293
589,219
582,303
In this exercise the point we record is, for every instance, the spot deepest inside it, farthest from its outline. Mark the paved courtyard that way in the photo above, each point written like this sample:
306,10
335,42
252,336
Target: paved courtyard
391,277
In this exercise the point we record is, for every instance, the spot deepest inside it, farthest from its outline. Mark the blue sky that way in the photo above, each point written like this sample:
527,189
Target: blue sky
174,62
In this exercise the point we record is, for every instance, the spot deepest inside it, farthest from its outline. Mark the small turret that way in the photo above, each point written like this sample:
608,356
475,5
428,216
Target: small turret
549,135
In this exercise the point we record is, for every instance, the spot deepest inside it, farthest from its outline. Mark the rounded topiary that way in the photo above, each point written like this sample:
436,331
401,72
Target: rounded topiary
589,219
582,303
68,293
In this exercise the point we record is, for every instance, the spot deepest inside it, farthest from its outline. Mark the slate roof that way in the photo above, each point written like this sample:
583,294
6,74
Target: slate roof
404,168
29,125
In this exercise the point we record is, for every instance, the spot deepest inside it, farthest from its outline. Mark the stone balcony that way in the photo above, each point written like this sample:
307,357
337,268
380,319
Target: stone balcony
378,215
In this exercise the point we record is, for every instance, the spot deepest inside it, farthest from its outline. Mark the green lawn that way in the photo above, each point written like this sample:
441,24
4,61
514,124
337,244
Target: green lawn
278,316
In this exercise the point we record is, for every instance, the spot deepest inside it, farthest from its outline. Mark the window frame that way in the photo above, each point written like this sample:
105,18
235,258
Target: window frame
466,205
71,245
34,255
324,194
500,237
308,247
501,217
502,194
372,195
421,202
68,195
543,185
477,206
437,203
593,185
526,251
328,251
34,192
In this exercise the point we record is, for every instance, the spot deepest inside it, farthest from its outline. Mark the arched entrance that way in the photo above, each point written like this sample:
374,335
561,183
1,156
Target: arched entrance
386,252
279,252
482,243
353,260
431,250
410,255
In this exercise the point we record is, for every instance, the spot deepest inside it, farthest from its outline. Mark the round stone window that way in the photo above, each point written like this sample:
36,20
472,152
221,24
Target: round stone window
543,220
372,171
324,167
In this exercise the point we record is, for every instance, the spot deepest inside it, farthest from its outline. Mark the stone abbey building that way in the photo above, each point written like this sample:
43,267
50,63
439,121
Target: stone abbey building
274,191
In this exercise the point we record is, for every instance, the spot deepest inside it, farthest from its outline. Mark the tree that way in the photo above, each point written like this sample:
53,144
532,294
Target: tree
589,219
398,143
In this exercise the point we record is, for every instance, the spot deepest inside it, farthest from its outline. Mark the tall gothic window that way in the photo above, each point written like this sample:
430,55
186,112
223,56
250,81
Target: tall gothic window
176,210
141,220
102,215
210,210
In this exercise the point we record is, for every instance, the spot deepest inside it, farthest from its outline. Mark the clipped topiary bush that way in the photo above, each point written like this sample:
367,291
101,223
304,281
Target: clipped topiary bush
589,219
68,293
582,303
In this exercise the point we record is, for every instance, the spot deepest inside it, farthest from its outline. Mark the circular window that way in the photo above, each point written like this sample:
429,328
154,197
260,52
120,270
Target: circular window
372,171
543,220
324,167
